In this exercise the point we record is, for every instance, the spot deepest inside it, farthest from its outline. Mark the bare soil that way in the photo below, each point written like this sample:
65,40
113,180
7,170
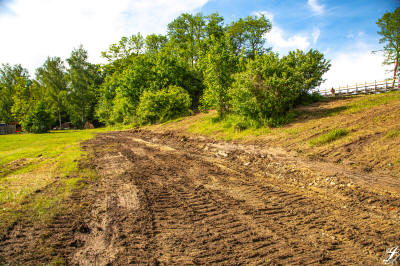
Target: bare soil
171,198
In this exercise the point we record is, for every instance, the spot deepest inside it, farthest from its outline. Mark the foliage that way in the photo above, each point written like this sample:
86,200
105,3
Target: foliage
163,105
219,65
38,119
154,43
269,87
389,26
247,35
9,78
83,80
266,90
311,66
52,77
21,98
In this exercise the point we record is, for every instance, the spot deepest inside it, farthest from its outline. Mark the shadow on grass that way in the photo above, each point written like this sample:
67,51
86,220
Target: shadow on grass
318,111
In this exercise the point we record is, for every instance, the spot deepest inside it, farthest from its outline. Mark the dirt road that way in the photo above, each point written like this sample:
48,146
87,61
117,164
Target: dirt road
171,199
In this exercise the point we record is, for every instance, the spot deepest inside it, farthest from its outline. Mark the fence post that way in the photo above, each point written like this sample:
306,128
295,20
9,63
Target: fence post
356,89
375,86
385,85
365,87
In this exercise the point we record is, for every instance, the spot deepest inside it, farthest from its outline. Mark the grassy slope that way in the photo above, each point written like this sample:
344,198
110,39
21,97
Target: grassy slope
37,171
361,132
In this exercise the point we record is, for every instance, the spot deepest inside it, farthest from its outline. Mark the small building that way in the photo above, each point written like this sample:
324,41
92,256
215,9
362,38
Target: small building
10,128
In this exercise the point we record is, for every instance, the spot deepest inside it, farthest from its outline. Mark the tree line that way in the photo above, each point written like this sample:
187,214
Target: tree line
200,64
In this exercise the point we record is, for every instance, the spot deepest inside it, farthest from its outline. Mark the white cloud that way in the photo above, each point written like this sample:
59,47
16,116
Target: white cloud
315,7
283,42
315,35
41,28
267,14
356,66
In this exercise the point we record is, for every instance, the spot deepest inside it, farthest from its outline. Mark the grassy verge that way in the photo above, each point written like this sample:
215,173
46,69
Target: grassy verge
38,171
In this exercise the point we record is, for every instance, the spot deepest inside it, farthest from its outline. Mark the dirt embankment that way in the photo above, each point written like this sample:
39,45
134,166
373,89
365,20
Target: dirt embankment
172,199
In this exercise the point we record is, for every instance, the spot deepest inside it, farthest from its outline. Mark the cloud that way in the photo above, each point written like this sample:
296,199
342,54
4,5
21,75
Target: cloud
315,35
283,42
267,14
315,7
35,29
356,66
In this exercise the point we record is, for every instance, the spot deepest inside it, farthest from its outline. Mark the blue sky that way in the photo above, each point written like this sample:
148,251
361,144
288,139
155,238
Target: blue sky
345,31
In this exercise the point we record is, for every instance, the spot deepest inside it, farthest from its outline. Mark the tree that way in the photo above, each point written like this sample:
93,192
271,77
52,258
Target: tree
83,79
154,43
389,26
9,78
310,68
219,64
22,98
248,35
266,91
38,119
186,33
52,76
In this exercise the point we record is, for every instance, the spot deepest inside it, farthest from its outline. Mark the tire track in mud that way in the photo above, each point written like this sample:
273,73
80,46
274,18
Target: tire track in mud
174,204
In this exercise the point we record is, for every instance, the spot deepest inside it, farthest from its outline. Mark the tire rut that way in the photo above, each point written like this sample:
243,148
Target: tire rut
173,204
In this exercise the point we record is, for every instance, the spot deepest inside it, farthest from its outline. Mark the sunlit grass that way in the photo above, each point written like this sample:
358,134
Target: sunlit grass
38,171
330,136
229,128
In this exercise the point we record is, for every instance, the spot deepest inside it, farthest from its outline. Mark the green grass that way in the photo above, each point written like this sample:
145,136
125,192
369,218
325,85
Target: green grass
38,171
231,127
370,101
332,135
393,133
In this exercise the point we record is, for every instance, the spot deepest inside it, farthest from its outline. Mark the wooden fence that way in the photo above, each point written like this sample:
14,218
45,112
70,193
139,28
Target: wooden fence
362,88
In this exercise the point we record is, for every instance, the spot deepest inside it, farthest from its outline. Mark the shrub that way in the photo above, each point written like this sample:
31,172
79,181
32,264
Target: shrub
332,135
266,90
163,105
38,119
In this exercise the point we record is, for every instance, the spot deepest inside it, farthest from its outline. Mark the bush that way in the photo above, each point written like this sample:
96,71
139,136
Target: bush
38,119
163,105
267,90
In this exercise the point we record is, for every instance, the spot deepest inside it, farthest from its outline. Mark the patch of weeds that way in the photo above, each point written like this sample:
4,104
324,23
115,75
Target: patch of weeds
393,133
332,135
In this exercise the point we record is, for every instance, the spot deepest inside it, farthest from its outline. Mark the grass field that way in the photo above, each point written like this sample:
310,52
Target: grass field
34,163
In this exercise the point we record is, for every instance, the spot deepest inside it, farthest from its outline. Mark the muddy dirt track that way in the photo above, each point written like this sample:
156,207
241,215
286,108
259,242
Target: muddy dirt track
166,198
171,199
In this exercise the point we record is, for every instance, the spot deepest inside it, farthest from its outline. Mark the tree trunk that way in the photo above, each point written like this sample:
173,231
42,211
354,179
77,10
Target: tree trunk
59,117
395,70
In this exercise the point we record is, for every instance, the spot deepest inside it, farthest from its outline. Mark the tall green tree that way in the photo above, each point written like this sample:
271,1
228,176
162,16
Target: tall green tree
186,33
248,35
52,76
10,77
219,64
155,42
22,98
389,29
83,79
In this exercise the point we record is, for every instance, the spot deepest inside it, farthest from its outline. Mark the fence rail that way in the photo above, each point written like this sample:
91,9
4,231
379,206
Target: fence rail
362,88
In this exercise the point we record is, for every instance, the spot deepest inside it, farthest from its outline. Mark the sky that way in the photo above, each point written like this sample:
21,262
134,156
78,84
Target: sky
345,31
